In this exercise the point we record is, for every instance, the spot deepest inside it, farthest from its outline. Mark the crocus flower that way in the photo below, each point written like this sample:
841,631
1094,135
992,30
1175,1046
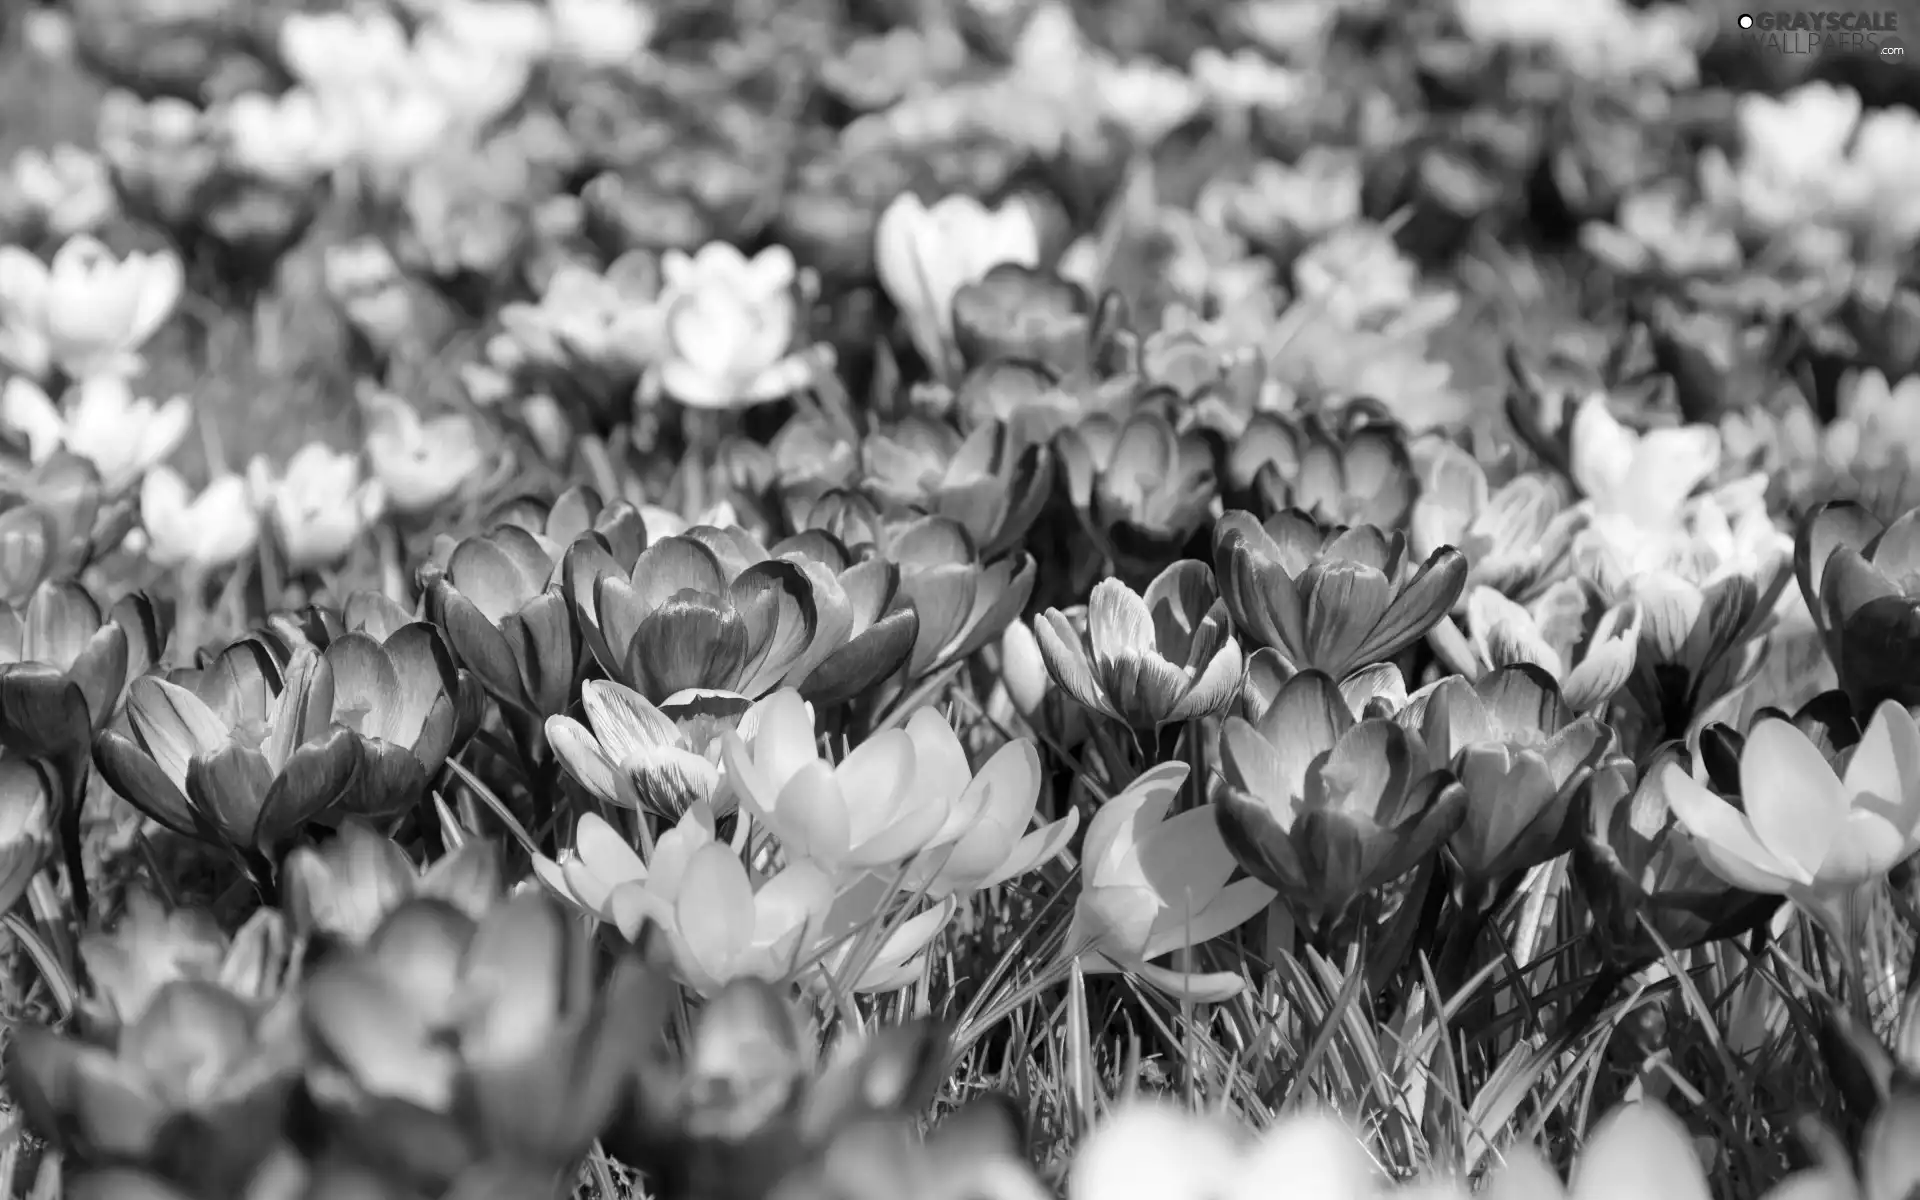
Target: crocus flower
1861,581
1587,646
730,326
960,599
1808,829
1637,867
504,617
1641,478
1151,660
344,888
1324,808
65,190
592,333
985,840
1334,600
251,752
65,664
722,920
1151,1148
1020,312
860,814
196,1059
202,532
1521,754
677,622
151,945
421,462
492,1034
1141,490
1152,884
992,481
87,312
121,434
318,505
926,254
1513,536
631,754
1361,475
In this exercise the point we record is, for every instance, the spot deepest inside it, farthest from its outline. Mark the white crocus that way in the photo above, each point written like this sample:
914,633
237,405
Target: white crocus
421,462
318,506
200,532
123,435
926,254
87,312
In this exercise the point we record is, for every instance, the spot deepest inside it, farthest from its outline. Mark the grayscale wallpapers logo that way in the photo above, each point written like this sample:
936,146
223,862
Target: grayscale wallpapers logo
1799,32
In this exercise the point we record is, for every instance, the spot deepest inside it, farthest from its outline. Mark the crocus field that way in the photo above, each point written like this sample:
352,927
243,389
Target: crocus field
971,600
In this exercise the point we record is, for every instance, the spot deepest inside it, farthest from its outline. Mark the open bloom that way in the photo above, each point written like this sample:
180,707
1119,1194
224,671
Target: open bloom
730,326
122,434
1152,884
985,840
721,919
318,505
631,754
992,481
1324,808
926,254
1587,646
861,814
65,190
1521,754
345,888
1334,600
204,531
1643,478
87,312
1150,660
1514,536
1810,829
421,462
446,1039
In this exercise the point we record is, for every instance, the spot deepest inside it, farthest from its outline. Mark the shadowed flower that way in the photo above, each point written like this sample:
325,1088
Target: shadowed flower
1635,865
151,946
447,1040
1333,600
1359,476
505,619
65,665
201,532
992,481
1514,537
250,752
195,1086
1521,754
1020,312
1153,884
317,505
680,621
122,434
1142,491
731,325
863,813
1861,582
1587,646
344,888
1807,829
961,601
88,311
1323,808
926,254
52,522
1147,661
